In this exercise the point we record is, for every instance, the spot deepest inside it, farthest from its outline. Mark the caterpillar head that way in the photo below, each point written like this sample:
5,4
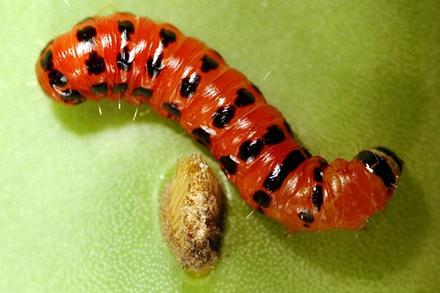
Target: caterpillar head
54,82
365,184
360,188
342,194
384,163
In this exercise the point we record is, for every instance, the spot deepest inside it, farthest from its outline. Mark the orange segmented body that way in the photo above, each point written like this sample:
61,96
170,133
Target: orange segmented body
135,59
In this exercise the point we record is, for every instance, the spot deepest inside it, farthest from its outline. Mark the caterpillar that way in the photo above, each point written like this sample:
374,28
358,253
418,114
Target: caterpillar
125,57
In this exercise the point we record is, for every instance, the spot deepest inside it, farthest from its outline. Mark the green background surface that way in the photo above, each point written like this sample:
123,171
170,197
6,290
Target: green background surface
79,192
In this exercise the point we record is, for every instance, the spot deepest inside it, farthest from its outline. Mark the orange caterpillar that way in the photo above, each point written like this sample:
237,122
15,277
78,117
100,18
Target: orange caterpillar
133,58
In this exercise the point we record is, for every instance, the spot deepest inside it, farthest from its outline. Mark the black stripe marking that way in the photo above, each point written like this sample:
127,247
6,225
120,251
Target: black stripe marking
250,149
306,217
56,78
378,165
276,178
100,88
72,97
123,59
244,98
393,155
86,34
262,198
208,64
143,92
172,108
154,66
46,61
95,64
167,36
189,85
120,88
273,135
126,28
223,116
318,172
317,197
202,136
228,165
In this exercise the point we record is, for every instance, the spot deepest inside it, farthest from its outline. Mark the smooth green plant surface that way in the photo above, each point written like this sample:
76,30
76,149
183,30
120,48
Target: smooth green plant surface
79,193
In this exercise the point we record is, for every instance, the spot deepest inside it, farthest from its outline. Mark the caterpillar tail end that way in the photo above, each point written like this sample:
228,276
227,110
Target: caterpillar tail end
384,163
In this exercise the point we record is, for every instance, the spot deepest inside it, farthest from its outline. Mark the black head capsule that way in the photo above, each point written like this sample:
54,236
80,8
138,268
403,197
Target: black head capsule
383,163
391,155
